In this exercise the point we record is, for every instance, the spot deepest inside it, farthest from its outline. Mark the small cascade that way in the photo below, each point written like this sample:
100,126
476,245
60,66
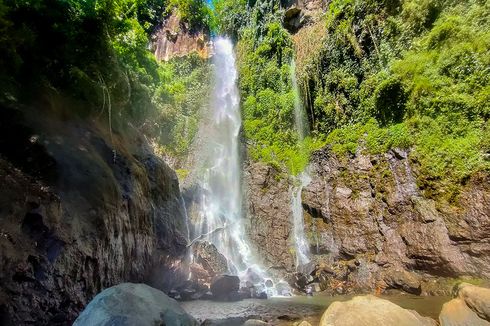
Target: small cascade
299,113
301,181
302,247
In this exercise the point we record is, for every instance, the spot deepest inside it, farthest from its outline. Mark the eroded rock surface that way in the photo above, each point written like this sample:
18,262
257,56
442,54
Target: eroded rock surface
270,225
80,212
369,226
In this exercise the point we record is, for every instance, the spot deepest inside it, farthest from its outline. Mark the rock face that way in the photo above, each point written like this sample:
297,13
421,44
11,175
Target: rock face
369,226
371,311
130,304
299,13
470,307
269,206
176,39
80,213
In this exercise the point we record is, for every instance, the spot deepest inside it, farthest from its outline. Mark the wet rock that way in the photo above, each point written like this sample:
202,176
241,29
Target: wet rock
252,277
255,322
282,288
300,281
370,310
289,317
404,280
457,313
225,287
261,295
245,293
270,215
207,255
369,209
133,304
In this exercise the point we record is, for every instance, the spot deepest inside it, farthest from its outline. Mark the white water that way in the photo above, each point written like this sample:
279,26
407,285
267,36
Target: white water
302,180
221,216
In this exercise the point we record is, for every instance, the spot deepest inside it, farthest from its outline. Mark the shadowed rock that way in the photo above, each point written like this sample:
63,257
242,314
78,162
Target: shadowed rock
226,287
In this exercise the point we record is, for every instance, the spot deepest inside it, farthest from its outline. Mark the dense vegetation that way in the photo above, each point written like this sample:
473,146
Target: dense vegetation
97,52
410,74
374,75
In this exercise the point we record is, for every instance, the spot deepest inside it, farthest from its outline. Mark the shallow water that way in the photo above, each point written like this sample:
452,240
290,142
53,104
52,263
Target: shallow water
287,311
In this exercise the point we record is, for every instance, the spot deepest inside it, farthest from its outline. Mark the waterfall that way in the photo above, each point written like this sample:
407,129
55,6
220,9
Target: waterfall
221,216
301,181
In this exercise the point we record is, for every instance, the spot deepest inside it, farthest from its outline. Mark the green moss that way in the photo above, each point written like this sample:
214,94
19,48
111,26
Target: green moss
182,174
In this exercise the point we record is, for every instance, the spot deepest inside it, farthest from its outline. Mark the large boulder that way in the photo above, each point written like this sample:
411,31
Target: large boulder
457,313
130,304
370,310
471,307
207,255
476,298
225,287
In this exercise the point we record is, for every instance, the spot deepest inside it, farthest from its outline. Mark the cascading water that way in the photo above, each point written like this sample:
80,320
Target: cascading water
221,216
302,180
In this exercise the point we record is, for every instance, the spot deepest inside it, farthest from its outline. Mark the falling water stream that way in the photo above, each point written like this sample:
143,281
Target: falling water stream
221,215
301,181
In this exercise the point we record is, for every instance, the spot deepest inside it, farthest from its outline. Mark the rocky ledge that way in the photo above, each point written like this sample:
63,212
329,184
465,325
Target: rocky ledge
369,226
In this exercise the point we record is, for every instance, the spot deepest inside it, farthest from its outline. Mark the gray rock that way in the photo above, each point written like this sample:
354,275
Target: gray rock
368,208
131,304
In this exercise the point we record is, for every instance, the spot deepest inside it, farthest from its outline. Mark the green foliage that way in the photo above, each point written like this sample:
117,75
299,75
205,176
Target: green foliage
447,150
194,12
268,98
421,69
97,53
183,93
231,16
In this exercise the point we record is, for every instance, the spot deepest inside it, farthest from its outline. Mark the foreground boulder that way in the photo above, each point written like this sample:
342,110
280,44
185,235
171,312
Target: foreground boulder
471,307
133,304
477,298
457,313
370,310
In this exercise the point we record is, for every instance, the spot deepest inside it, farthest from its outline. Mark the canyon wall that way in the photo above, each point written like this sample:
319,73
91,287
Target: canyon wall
369,226
81,208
